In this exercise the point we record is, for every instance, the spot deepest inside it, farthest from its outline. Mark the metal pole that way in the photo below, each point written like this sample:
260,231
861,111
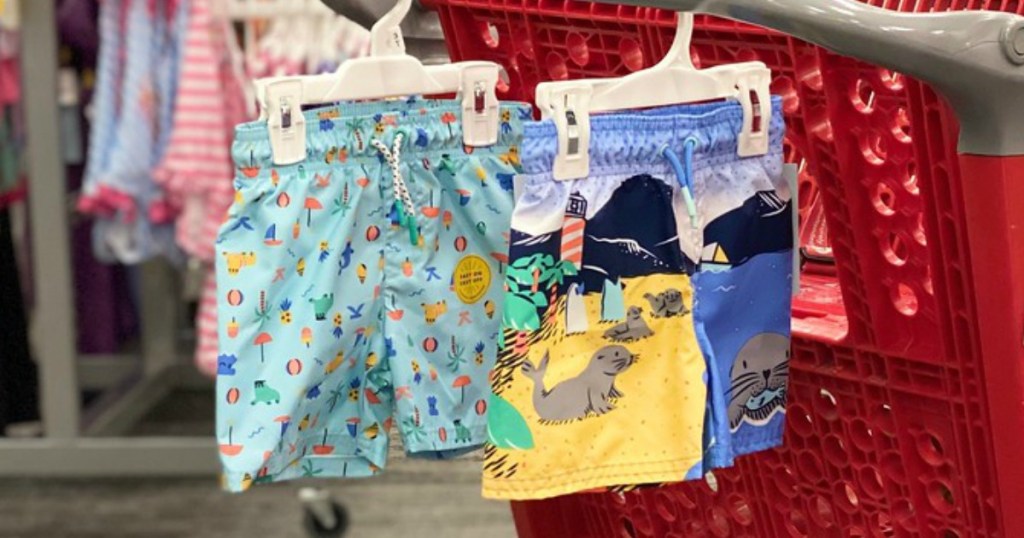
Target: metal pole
975,59
54,336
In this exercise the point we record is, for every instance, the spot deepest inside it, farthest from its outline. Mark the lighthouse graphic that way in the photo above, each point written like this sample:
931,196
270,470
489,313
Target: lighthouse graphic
573,228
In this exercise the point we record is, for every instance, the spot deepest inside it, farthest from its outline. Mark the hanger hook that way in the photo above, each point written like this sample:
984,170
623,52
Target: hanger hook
386,35
679,54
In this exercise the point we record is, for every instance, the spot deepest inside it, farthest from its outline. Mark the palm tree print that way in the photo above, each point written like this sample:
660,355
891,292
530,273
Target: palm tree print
337,395
412,431
356,126
308,471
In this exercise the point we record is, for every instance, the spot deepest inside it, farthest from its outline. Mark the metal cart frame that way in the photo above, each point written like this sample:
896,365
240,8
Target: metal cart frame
88,441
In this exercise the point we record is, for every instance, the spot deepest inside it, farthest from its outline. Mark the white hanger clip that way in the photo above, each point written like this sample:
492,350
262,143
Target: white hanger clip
480,108
286,122
754,93
387,73
673,81
570,111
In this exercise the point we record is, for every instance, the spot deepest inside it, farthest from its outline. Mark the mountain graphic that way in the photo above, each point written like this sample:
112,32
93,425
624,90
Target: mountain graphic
763,224
632,235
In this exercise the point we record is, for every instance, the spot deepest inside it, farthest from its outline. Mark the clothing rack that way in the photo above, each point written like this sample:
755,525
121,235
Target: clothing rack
91,440
77,440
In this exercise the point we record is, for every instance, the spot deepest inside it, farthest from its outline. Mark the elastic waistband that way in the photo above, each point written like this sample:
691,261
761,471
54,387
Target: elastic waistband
632,139
345,131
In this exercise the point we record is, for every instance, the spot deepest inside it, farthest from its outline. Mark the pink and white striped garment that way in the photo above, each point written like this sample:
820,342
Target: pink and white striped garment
196,171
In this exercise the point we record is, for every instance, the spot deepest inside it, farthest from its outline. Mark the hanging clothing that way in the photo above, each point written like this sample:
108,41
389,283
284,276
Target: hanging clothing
137,80
11,128
19,396
196,170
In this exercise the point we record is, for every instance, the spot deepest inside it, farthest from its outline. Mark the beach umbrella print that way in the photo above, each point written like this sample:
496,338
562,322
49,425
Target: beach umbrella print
448,118
261,340
461,383
284,421
430,210
231,449
323,448
395,314
253,169
310,205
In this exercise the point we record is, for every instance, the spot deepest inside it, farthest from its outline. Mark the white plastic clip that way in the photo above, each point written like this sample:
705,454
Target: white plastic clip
480,108
571,114
286,122
755,97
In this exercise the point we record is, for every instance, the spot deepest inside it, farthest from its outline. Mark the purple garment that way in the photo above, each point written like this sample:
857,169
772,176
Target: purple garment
104,303
76,21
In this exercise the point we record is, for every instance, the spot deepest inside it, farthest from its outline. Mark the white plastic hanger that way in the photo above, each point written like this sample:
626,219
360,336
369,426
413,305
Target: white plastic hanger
673,81
387,73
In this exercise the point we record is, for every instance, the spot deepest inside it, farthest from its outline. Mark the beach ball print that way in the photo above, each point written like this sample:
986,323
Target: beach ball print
430,344
481,407
235,297
233,395
294,367
283,200
442,434
372,233
461,243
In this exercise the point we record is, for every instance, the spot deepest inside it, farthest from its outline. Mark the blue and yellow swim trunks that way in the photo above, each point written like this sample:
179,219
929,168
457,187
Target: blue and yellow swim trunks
621,329
361,289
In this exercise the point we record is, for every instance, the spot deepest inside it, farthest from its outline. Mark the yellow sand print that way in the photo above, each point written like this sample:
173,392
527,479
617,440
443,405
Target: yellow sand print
619,404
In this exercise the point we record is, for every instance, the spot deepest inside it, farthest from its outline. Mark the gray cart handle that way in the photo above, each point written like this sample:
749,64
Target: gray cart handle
975,59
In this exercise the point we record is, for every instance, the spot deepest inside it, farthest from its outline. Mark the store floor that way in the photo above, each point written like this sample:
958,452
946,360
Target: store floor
411,499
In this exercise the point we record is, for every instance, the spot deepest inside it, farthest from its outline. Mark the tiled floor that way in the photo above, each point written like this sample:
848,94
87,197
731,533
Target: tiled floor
411,499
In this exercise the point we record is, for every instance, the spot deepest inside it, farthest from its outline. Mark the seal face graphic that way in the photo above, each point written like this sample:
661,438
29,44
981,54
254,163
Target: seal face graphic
472,279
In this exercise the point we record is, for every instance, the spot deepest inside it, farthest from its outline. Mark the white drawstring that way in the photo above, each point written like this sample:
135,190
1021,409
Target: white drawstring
406,210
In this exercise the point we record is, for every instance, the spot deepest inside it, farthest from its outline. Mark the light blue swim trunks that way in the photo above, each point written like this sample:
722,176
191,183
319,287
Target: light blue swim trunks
361,289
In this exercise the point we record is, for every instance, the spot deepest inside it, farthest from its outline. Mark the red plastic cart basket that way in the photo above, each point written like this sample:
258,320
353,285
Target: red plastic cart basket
905,414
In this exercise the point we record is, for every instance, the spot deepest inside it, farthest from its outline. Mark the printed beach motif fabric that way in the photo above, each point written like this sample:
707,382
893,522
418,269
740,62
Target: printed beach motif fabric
360,290
626,269
743,298
600,380
134,103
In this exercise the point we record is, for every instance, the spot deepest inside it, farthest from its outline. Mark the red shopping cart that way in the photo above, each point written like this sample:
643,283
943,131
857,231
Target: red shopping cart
905,413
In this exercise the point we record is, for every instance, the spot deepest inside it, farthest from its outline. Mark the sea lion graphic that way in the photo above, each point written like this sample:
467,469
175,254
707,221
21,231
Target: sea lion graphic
667,304
634,328
590,394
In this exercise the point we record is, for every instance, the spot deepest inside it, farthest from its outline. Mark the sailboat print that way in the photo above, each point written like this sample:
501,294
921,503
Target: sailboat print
613,303
270,239
576,311
714,259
